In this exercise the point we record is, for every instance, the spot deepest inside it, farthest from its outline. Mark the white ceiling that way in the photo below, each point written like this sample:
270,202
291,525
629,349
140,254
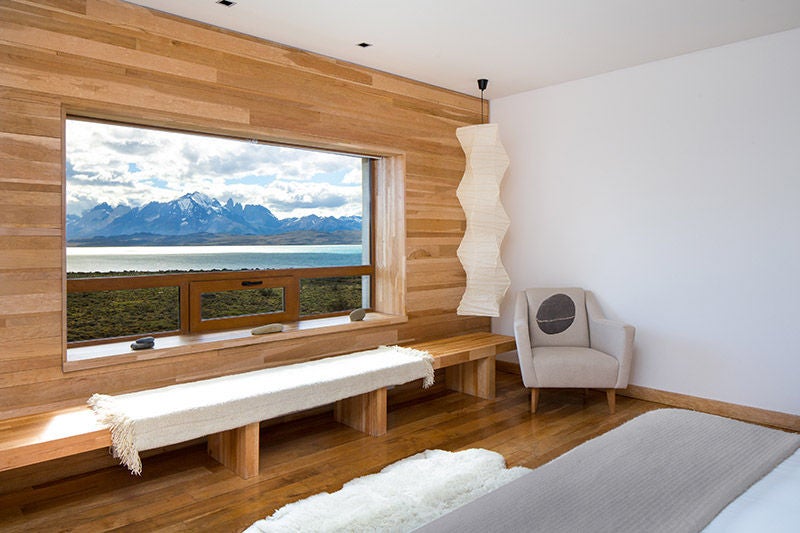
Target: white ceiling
518,45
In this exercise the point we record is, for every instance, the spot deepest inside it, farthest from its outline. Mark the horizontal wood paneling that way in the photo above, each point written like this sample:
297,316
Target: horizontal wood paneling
110,59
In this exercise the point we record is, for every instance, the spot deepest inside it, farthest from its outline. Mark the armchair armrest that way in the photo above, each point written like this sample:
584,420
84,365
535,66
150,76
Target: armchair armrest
523,337
615,339
611,337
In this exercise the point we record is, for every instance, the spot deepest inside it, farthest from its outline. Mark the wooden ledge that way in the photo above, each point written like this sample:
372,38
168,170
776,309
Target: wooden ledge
37,438
120,352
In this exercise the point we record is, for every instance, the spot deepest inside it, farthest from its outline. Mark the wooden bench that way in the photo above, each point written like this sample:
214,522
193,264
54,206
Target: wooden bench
41,437
37,438
469,361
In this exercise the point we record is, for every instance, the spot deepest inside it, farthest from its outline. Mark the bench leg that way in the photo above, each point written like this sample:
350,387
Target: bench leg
237,449
473,377
365,412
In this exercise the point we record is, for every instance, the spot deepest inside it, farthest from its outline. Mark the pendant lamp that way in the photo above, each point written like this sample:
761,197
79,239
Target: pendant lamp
487,221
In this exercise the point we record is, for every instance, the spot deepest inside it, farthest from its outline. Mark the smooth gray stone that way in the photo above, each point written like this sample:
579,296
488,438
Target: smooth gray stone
357,314
142,345
268,328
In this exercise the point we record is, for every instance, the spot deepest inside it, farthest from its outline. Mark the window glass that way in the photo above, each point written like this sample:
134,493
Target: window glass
333,295
144,201
244,302
120,313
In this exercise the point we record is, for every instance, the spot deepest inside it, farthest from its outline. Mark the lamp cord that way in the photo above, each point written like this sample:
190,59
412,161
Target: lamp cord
482,83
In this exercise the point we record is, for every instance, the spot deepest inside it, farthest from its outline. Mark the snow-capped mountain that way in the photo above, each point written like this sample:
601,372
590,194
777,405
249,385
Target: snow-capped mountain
195,213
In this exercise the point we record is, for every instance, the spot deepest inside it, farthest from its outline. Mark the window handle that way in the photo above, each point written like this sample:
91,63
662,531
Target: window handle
251,283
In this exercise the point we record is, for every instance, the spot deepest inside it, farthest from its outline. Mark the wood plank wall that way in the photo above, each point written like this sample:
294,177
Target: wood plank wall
115,60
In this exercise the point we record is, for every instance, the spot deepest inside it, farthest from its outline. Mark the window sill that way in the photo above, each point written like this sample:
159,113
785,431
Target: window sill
120,352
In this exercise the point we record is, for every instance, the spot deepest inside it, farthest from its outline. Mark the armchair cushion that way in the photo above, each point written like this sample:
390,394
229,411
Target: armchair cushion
558,366
557,317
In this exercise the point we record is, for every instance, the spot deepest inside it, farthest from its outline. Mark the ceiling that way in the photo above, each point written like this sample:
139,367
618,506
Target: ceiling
518,45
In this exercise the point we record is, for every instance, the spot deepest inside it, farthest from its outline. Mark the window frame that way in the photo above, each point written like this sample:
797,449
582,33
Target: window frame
290,297
189,313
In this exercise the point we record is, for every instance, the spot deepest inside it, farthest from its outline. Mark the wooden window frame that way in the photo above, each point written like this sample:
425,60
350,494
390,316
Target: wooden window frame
289,308
387,273
189,303
190,300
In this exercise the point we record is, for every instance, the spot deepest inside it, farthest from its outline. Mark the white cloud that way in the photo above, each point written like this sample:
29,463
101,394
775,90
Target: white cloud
133,166
353,177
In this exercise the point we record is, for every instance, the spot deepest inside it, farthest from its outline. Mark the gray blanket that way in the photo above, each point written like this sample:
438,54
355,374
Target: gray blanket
668,470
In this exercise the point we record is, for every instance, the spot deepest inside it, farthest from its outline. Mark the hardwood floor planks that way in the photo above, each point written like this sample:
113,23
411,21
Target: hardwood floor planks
185,490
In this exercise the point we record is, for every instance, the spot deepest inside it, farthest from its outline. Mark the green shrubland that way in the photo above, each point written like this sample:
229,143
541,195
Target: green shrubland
119,313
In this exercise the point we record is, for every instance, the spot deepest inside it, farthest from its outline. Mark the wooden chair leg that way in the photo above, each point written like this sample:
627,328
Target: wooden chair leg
611,396
534,400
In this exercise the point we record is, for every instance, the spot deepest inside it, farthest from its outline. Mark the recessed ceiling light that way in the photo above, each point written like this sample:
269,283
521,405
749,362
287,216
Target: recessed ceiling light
226,3
364,45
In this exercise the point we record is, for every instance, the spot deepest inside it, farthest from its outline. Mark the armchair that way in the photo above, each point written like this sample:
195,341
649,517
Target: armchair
565,341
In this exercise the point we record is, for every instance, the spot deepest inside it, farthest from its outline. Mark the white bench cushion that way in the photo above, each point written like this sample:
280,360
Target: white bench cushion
160,417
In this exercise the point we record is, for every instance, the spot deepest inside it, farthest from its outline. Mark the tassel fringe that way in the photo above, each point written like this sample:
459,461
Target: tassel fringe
426,357
123,445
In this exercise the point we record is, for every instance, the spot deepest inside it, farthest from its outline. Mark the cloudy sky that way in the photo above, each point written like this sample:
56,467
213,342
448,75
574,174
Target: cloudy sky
132,166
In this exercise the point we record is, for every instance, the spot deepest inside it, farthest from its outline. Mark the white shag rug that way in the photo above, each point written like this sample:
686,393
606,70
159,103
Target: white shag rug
403,496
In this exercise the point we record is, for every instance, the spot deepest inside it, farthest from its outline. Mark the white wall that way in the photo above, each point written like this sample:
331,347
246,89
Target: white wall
672,190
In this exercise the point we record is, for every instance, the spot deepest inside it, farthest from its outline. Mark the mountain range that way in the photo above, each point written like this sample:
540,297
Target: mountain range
196,218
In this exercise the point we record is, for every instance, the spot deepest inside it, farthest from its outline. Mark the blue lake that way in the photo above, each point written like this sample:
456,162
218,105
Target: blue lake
156,258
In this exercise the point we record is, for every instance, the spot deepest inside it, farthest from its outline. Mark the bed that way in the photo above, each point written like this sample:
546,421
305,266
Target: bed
771,504
668,470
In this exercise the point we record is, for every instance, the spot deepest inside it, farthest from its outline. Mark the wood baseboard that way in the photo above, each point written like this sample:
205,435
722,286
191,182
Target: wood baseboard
715,407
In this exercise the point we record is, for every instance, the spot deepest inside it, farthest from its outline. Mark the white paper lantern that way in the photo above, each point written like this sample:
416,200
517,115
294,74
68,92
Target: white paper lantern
487,221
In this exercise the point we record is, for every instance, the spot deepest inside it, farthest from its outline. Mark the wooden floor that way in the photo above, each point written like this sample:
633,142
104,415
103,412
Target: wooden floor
185,490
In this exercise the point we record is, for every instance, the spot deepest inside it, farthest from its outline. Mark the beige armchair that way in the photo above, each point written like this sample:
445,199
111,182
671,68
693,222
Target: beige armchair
564,341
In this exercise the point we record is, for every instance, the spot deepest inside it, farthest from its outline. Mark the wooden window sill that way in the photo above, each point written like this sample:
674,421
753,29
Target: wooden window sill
120,352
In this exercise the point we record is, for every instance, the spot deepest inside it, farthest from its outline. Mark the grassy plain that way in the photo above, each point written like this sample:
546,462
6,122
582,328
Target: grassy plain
108,314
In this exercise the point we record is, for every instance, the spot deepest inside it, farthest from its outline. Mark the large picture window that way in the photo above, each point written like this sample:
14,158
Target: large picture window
172,232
